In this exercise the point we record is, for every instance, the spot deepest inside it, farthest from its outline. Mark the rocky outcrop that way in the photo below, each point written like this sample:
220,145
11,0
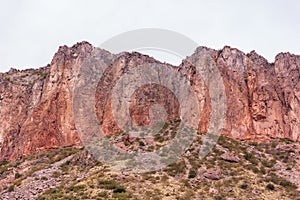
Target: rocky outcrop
37,114
230,157
262,98
213,174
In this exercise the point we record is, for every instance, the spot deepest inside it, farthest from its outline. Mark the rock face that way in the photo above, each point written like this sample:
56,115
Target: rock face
37,114
262,98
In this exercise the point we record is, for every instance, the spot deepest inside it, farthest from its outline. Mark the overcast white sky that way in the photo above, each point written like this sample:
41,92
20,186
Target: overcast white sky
31,31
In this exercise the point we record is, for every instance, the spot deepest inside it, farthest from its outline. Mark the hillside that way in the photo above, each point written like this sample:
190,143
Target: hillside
233,170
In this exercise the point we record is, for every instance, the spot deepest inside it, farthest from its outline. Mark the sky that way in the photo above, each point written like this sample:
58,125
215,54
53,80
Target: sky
32,30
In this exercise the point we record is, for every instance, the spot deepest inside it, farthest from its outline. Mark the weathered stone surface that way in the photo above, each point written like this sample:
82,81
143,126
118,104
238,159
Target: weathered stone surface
36,113
213,174
230,157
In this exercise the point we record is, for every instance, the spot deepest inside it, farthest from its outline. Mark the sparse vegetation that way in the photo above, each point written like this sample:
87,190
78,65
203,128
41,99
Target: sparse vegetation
251,158
176,168
256,170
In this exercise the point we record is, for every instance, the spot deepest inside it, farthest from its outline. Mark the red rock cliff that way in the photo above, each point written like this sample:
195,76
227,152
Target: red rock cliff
36,104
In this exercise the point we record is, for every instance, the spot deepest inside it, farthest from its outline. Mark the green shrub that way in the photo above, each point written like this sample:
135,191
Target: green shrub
121,196
76,188
219,198
192,174
17,175
119,189
273,144
3,162
3,169
11,188
287,141
270,186
244,186
65,166
281,181
255,170
176,168
287,184
263,170
43,75
102,194
141,143
56,174
251,158
44,178
159,138
268,163
108,184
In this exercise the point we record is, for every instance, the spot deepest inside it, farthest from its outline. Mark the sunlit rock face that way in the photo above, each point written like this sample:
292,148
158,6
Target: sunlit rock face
36,105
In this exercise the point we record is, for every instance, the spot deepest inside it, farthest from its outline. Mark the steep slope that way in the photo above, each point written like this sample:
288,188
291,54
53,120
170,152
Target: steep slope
37,114
233,170
262,98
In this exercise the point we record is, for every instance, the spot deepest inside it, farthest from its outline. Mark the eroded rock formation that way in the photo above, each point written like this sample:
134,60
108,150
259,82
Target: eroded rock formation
262,99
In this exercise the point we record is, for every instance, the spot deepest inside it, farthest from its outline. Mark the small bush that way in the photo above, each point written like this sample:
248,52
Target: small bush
251,158
263,170
192,174
287,141
270,186
11,188
159,138
268,163
281,181
43,75
244,186
17,182
176,168
219,198
3,162
17,175
44,178
102,194
255,170
108,184
119,189
76,188
56,174
3,169
274,144
121,196
141,143
253,144
287,184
